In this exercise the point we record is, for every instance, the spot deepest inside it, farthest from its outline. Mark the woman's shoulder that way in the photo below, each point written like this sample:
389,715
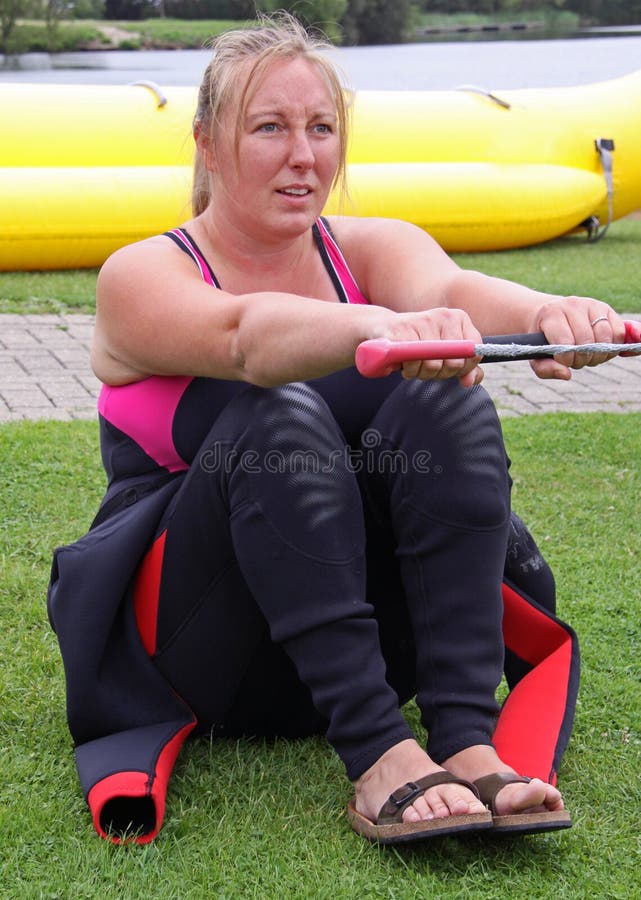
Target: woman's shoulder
148,260
147,248
356,229
367,242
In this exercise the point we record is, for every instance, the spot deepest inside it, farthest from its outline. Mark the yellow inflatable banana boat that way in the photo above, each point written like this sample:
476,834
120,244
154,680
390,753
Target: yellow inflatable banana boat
84,170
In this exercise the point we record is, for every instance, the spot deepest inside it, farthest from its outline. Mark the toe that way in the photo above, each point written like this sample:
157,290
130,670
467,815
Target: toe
443,801
536,796
420,810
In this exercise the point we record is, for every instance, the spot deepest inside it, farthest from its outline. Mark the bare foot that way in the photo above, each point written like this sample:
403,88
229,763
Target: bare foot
404,762
479,760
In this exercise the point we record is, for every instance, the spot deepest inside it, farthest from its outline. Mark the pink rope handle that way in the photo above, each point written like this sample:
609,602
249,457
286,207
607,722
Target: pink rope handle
379,357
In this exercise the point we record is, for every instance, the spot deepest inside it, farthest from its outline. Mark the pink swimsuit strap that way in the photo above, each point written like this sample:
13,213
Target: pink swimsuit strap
339,264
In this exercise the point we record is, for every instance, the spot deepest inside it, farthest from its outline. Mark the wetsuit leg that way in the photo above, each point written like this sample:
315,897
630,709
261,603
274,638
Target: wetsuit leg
434,464
266,534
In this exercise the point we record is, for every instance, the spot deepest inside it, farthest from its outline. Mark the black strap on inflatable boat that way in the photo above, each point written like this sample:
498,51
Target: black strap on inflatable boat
605,149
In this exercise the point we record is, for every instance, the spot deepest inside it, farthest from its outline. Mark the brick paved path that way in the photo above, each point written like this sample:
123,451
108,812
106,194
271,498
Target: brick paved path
45,374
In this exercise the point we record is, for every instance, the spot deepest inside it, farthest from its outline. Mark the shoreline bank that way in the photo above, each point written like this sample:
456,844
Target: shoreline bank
79,35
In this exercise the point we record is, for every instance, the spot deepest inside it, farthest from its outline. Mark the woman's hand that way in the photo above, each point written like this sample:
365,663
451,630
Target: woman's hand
575,320
436,325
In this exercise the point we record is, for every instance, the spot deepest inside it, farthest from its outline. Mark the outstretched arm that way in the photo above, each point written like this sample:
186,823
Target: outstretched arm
402,268
155,316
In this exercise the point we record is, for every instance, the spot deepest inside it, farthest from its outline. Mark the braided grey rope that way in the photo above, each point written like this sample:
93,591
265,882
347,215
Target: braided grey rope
526,351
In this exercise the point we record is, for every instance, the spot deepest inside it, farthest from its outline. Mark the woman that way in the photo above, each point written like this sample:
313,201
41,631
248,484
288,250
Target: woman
317,548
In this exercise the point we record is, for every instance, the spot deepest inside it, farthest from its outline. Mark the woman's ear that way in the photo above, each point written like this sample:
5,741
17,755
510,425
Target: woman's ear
205,147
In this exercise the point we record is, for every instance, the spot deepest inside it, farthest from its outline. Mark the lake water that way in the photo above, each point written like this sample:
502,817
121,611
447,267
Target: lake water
420,66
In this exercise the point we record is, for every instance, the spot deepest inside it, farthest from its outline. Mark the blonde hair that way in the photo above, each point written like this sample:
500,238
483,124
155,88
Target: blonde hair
273,38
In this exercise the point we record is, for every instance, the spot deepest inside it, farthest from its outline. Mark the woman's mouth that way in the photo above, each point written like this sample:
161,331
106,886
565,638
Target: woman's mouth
295,191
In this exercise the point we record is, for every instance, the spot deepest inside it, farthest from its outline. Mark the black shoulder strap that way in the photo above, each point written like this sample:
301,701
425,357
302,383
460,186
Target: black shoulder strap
322,249
182,239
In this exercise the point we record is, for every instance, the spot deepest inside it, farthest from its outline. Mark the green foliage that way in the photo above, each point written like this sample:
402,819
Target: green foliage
132,43
598,11
130,9
54,12
323,14
9,12
87,9
210,9
29,37
620,12
377,21
607,12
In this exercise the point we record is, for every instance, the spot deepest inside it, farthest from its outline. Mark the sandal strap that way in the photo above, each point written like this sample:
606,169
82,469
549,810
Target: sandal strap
489,786
392,810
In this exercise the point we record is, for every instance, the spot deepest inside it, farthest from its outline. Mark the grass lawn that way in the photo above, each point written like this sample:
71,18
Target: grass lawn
609,270
266,820
167,33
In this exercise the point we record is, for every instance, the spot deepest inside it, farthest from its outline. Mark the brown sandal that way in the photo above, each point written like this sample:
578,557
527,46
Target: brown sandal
518,823
389,827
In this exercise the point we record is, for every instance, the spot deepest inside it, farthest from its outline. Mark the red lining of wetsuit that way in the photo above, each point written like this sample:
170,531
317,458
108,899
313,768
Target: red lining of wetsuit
532,715
137,784
147,594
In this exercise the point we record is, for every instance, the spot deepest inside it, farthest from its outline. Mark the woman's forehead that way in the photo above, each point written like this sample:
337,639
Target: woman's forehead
282,79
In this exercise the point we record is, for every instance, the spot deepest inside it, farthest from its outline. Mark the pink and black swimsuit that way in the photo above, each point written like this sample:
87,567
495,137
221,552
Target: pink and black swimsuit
158,423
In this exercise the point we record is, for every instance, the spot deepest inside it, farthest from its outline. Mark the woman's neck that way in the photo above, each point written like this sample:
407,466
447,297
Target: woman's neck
244,263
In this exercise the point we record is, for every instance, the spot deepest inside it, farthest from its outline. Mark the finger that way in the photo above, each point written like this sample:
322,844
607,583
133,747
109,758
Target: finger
571,323
550,368
607,327
577,359
469,379
452,368
425,370
597,358
602,328
602,331
437,369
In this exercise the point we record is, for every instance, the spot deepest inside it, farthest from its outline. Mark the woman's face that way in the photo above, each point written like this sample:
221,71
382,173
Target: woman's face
277,184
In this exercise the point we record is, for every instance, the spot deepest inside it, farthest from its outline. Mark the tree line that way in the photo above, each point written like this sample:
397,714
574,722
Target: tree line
598,12
364,20
355,21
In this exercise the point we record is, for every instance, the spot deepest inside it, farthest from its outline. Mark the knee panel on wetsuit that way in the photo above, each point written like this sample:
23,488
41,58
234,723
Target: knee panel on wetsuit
285,454
451,444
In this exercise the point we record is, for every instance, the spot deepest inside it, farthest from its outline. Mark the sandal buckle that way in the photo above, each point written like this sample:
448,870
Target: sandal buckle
405,794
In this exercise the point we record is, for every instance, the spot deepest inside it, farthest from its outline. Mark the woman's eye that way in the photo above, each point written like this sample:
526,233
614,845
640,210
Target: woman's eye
322,128
269,127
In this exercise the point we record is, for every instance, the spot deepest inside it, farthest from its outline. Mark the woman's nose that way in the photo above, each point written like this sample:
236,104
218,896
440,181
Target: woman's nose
301,154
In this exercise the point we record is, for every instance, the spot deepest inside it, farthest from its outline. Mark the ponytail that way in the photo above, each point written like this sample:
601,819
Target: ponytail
201,188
